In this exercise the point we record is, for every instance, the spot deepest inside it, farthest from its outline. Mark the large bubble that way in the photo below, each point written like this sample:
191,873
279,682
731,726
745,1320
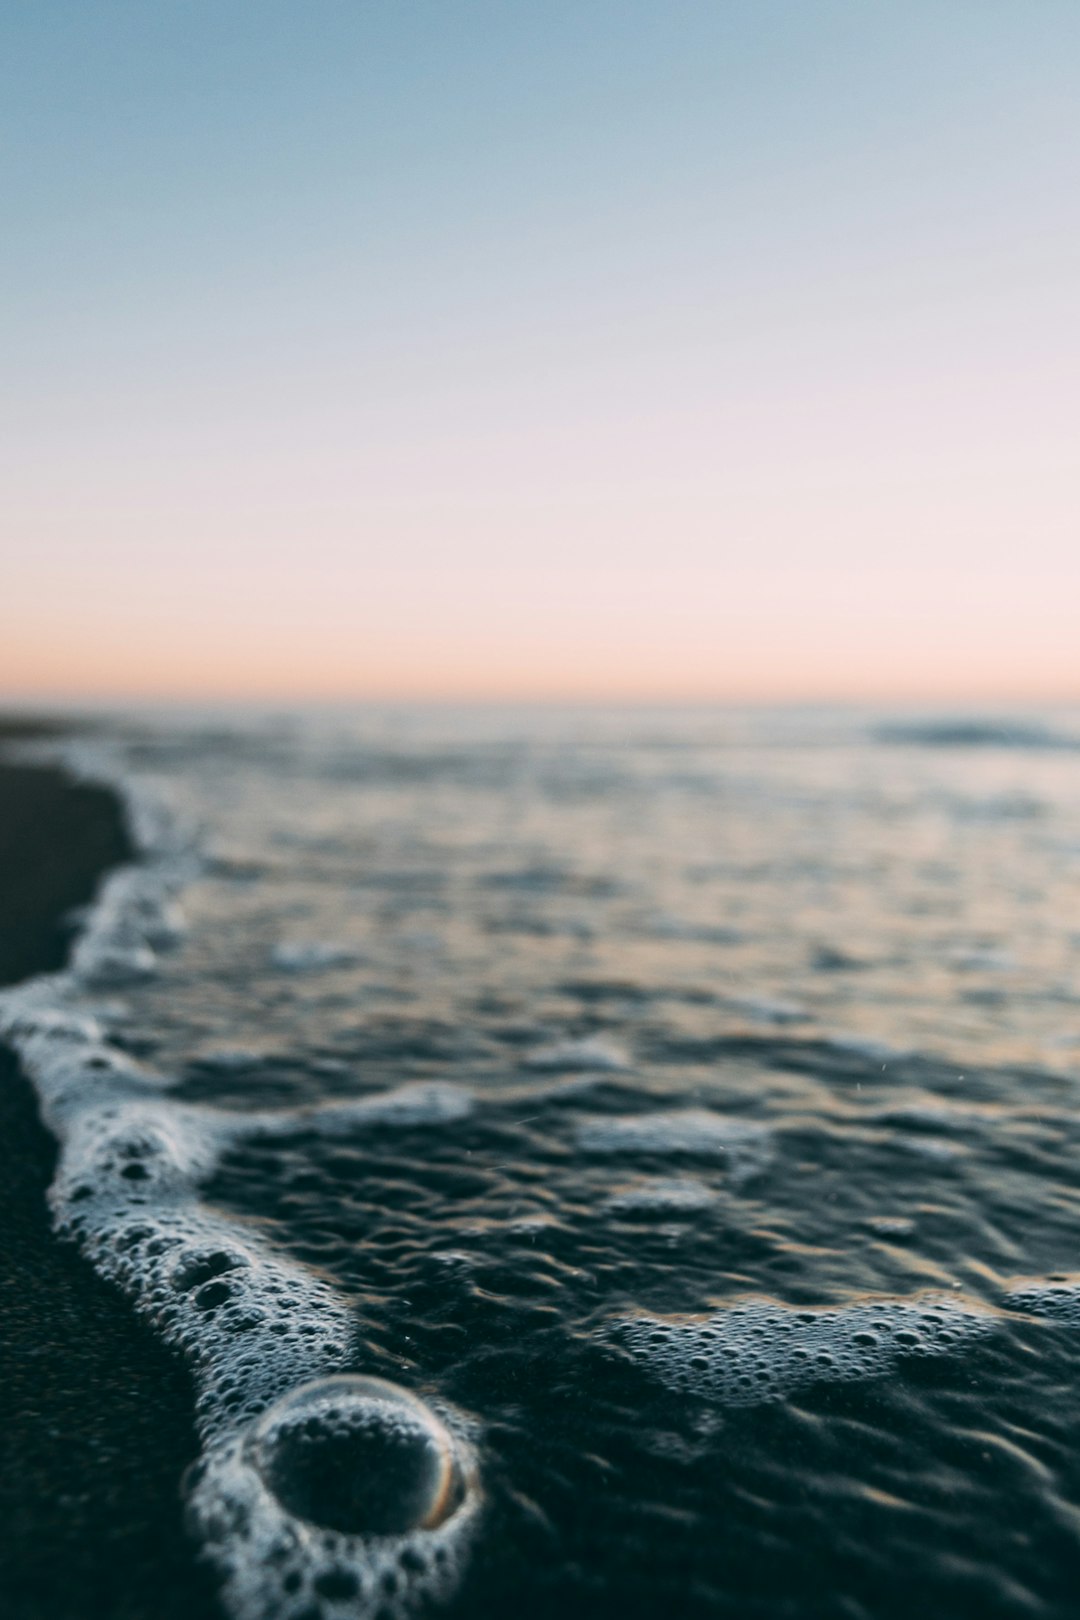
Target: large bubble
360,1456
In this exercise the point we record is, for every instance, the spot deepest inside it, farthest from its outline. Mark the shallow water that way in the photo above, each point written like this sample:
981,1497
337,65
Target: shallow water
678,1111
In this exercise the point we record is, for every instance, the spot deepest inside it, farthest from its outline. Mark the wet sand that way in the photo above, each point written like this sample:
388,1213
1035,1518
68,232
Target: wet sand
95,1415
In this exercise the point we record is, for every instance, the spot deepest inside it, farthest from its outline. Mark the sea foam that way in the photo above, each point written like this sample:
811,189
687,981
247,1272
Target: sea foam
759,1350
268,1341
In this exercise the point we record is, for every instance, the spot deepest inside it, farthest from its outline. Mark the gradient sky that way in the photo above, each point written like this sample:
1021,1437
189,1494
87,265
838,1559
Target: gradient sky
584,348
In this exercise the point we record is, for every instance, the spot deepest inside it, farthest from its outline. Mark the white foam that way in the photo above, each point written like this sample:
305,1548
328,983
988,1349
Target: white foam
127,1186
1056,1298
262,1333
662,1194
136,914
284,1541
760,1350
593,1052
255,1326
744,1146
891,1226
417,1102
311,956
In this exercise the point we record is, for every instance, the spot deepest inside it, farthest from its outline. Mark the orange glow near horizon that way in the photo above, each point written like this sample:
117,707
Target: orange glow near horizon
749,640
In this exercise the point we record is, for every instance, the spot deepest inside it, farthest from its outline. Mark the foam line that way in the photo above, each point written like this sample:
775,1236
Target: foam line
759,1350
269,1342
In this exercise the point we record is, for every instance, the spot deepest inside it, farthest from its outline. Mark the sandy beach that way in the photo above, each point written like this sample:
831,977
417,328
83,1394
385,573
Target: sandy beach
95,1415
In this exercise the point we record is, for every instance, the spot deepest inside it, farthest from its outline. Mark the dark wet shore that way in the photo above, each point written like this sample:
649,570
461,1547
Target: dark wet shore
95,1415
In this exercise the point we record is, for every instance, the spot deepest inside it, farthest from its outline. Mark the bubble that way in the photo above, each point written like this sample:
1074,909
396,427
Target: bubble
360,1456
197,1269
350,1494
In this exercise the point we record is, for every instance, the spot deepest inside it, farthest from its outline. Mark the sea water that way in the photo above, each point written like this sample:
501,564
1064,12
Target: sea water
599,1163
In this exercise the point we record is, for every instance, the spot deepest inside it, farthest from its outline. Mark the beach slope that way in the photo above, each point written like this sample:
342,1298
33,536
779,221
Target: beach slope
95,1415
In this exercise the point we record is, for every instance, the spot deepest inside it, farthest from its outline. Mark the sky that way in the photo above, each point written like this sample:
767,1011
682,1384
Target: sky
707,350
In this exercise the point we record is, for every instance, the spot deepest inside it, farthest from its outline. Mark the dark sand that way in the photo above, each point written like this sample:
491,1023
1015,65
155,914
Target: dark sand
95,1415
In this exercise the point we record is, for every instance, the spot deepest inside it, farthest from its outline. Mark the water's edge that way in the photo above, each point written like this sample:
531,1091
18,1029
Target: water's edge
472,1119
85,1387
269,1342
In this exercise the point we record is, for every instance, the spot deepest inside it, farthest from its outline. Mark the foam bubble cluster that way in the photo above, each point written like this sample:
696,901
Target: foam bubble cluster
760,1351
316,1492
341,1492
1056,1298
136,915
348,1496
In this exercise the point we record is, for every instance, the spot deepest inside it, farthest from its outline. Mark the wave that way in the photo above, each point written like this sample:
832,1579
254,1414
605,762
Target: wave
974,733
648,1212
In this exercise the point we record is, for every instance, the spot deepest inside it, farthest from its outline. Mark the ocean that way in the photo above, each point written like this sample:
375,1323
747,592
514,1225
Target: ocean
594,1162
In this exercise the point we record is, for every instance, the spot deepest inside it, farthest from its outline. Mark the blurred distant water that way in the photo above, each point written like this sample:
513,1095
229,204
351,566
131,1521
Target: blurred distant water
659,877
725,1205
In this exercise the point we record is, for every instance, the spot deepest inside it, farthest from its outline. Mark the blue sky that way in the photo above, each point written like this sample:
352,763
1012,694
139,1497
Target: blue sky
703,349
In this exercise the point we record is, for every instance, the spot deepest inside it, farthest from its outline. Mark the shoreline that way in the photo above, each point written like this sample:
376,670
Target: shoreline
96,1416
